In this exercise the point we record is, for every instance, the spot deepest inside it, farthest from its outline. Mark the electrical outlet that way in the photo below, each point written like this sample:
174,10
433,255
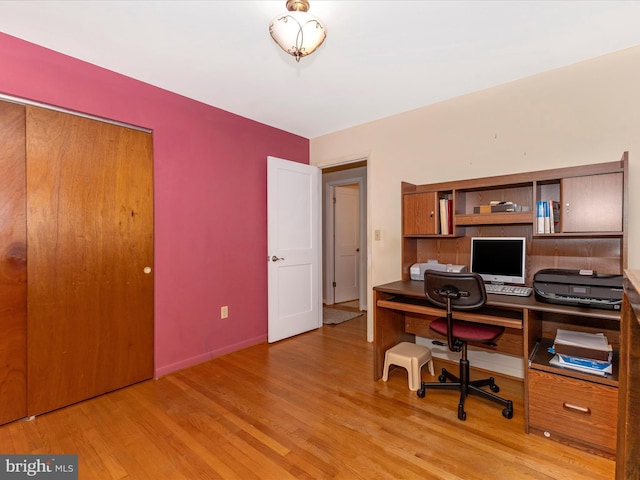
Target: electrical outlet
224,311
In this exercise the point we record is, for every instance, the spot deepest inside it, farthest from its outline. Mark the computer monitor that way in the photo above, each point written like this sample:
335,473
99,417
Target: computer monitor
499,259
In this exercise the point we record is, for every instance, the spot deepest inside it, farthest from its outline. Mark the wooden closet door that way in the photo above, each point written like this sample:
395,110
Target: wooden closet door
13,265
90,239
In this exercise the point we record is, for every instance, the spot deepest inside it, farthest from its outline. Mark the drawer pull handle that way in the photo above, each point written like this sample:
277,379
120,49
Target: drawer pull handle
576,408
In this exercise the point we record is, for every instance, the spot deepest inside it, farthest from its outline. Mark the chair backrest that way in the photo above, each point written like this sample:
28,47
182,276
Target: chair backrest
454,291
465,291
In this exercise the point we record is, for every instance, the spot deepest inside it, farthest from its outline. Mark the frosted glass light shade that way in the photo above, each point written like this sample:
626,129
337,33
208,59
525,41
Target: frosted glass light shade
297,33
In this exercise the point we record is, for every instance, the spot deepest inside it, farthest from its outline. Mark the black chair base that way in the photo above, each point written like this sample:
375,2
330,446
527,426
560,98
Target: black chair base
467,387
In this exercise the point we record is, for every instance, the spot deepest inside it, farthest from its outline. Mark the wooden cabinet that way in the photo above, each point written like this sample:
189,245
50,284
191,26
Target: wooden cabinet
78,202
420,214
573,410
592,203
571,407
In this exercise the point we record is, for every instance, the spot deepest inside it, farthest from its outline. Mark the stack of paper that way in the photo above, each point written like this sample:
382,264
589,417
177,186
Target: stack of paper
584,352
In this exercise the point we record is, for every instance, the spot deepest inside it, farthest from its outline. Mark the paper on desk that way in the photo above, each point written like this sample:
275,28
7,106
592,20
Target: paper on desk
595,341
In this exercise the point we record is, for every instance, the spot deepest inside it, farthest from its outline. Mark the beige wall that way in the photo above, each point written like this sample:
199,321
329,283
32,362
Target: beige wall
584,113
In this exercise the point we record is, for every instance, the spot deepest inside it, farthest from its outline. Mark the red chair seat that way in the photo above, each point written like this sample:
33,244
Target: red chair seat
467,331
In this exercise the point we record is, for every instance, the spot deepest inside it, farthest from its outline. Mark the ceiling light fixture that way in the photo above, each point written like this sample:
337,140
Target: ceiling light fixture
297,32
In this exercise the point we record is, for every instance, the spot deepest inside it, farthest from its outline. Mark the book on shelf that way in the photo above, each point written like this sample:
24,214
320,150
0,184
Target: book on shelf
540,217
446,215
554,216
548,216
593,346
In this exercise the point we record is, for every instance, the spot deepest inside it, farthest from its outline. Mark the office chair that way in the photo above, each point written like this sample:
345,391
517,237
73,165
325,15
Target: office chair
462,291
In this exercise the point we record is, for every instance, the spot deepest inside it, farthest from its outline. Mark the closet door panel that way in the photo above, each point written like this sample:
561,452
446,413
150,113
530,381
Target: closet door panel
90,240
13,266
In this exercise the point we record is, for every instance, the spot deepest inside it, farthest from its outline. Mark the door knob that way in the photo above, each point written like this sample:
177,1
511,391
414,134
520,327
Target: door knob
275,259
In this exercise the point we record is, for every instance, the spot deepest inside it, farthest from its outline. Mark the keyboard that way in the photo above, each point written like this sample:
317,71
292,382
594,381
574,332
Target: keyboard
518,291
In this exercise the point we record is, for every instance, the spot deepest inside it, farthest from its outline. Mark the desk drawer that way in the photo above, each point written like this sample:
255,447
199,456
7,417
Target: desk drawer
573,409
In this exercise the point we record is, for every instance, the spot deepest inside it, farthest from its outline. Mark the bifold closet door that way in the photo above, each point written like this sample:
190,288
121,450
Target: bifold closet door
90,258
13,265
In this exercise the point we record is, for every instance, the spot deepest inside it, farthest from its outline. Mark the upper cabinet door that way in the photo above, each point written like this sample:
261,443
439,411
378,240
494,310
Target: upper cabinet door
420,213
592,203
90,248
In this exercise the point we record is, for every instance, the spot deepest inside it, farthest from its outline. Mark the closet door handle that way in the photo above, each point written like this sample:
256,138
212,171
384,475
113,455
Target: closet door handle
275,259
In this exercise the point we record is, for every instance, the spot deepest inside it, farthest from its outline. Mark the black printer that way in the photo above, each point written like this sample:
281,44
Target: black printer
581,288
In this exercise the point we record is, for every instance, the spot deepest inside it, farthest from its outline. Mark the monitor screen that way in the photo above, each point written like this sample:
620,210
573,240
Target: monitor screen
499,259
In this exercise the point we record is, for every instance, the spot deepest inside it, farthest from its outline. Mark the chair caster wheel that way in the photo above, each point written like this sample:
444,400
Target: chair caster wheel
508,411
420,393
492,386
462,415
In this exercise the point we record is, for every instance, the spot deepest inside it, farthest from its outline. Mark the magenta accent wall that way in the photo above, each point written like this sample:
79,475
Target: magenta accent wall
209,194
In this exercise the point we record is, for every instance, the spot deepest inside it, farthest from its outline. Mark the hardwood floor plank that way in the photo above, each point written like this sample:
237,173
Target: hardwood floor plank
303,408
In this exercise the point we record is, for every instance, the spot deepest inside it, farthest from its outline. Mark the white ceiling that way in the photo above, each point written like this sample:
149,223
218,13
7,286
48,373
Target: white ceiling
380,57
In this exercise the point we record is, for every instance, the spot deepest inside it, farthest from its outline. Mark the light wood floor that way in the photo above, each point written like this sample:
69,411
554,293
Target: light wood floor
304,408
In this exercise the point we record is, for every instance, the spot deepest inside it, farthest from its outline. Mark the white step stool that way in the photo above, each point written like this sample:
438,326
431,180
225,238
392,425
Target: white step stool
410,356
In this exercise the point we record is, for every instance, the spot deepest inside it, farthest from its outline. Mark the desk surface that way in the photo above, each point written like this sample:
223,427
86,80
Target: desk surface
415,289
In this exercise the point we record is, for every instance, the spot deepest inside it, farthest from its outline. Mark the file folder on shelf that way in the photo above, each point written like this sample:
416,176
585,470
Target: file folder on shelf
561,361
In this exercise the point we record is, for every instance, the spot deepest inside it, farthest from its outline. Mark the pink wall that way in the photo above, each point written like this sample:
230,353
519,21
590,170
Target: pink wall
210,197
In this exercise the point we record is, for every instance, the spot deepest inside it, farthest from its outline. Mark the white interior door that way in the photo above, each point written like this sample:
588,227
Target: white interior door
294,248
346,242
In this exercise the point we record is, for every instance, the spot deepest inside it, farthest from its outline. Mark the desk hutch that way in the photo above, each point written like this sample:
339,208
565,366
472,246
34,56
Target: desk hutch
567,406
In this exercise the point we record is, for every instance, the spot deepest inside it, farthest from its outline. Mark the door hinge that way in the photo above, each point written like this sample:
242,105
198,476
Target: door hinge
334,284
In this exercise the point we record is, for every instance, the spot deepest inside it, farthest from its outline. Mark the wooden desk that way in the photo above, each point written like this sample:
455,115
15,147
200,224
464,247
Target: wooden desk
401,312
628,451
401,306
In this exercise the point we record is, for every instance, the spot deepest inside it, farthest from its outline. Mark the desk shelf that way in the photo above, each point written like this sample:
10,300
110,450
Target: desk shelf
491,316
540,358
502,218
